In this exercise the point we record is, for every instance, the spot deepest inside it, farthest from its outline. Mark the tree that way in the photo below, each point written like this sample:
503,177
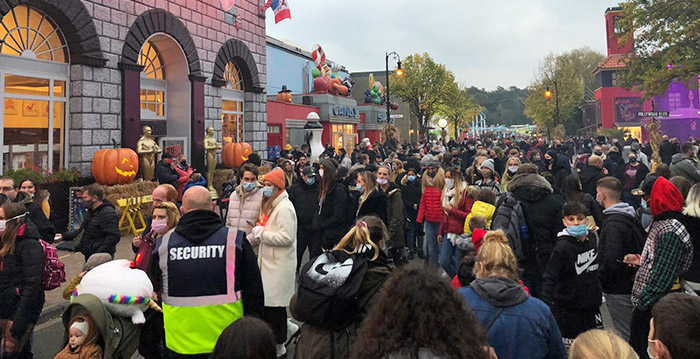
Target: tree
664,32
457,107
423,86
503,105
583,62
570,86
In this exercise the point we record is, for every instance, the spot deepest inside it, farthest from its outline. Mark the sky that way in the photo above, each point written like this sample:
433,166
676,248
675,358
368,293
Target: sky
484,43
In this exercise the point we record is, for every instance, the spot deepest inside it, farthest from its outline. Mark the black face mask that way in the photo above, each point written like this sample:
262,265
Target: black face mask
432,174
184,163
598,153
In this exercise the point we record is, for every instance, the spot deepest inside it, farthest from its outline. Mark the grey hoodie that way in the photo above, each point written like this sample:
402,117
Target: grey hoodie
682,165
499,291
621,208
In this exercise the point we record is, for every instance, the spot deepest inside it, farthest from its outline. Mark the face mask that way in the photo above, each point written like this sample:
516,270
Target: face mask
644,204
535,158
359,187
160,226
3,222
472,148
248,186
89,204
267,191
633,160
381,181
578,230
310,181
449,183
184,163
411,178
512,169
320,172
597,198
432,174
598,153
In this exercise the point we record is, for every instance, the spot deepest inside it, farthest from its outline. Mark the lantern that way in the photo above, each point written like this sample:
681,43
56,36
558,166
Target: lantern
115,166
234,154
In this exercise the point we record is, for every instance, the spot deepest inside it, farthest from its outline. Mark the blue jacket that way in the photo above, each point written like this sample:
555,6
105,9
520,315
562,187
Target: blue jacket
526,329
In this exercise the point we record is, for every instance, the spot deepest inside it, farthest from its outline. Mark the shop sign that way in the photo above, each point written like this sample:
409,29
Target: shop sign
653,114
382,118
344,111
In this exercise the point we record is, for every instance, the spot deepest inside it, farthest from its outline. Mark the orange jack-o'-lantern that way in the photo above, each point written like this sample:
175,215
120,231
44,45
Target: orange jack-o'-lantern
115,166
234,154
284,96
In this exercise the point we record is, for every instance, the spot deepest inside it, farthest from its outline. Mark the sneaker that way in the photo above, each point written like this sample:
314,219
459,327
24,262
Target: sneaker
421,255
281,351
292,330
410,256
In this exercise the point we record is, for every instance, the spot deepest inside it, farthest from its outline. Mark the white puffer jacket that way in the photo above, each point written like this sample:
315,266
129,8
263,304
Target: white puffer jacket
245,209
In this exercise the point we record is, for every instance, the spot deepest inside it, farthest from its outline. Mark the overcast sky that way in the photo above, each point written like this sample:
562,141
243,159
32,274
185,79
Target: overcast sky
485,43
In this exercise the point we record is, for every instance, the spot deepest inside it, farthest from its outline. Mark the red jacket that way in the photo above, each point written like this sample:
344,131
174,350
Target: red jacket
182,181
430,205
453,222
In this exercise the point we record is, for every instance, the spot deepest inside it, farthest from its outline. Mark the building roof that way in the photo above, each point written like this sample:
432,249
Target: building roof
614,61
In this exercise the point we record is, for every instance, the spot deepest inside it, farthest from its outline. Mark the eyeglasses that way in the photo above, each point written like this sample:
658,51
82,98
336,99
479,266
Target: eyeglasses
6,189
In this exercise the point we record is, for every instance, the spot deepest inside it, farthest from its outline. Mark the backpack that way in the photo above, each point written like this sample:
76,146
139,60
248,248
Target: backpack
329,288
53,273
351,205
509,217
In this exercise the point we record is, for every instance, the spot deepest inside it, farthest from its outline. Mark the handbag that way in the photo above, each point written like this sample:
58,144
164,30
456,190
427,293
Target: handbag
143,256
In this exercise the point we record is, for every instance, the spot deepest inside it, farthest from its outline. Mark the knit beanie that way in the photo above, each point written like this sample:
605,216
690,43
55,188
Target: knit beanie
488,164
478,237
276,176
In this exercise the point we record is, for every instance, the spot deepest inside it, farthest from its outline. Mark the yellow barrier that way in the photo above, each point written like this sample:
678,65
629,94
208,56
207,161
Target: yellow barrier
132,213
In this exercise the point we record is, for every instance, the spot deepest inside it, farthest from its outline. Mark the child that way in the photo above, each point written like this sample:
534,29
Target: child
570,283
469,246
82,340
484,207
479,227
92,262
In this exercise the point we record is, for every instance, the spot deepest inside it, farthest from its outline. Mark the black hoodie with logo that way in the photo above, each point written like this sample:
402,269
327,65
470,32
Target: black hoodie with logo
571,279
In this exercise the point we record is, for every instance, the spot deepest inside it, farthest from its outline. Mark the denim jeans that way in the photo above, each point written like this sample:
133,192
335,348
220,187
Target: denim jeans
620,308
431,232
450,257
414,236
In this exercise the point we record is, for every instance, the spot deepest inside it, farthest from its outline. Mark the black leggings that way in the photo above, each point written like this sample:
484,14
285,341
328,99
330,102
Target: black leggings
639,332
276,317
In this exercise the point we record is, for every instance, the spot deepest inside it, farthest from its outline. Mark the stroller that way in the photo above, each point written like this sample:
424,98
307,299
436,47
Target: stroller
119,337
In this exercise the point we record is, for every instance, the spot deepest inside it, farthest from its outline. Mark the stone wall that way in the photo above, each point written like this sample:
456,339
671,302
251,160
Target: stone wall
95,103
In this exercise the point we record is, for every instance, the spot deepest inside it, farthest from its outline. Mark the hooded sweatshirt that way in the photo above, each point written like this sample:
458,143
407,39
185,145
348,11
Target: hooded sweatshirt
525,329
571,278
667,252
621,234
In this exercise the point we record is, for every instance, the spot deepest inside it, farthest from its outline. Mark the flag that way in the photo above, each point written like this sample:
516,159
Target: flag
227,4
267,5
282,11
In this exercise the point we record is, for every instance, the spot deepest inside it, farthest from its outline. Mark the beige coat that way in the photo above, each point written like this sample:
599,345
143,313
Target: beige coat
277,258
240,211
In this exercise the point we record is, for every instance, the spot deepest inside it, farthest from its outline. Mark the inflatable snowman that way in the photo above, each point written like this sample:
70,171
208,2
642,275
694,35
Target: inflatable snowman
125,291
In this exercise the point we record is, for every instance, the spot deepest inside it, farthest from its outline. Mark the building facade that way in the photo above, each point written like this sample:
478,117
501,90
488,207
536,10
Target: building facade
75,76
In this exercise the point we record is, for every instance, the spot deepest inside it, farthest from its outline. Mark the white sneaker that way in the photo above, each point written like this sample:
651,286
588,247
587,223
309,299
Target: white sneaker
281,351
291,328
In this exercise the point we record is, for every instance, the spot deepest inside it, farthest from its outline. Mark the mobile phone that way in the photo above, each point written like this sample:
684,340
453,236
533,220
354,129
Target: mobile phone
250,223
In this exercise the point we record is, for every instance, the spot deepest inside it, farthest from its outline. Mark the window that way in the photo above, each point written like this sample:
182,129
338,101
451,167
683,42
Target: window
274,129
674,101
33,94
232,96
615,79
29,33
153,84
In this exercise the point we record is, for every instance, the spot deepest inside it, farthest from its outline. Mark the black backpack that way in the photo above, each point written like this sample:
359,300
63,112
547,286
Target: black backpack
329,288
510,218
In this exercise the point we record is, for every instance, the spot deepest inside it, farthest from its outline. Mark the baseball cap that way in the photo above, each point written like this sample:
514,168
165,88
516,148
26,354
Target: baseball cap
646,186
308,171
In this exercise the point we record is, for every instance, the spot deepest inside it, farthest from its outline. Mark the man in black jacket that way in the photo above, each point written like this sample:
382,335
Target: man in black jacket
591,173
667,150
304,197
166,172
620,234
540,208
99,232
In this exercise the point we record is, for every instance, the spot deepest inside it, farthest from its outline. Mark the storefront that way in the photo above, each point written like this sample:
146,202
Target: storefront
77,75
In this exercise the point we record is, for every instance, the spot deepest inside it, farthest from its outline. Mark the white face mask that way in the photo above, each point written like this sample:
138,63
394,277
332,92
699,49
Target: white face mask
320,172
381,181
448,182
3,222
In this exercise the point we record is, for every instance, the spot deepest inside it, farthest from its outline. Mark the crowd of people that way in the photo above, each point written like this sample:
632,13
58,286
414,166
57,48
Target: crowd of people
484,248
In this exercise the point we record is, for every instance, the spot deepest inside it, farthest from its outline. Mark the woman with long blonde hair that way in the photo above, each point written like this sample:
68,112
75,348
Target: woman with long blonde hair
457,203
430,210
597,343
372,201
366,239
276,230
517,325
692,210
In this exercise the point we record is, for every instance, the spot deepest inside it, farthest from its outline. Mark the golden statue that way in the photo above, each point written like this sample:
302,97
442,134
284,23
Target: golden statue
654,128
210,145
147,149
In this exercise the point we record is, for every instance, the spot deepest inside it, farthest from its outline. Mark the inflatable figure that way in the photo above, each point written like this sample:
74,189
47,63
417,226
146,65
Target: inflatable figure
125,291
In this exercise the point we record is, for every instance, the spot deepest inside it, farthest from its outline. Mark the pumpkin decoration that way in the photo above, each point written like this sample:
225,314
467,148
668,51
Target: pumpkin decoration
115,166
234,154
285,95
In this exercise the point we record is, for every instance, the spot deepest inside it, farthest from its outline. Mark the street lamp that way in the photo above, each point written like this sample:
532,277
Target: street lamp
399,73
442,123
548,94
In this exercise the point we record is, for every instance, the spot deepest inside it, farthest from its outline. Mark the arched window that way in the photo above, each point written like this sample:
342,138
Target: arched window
232,96
153,84
34,76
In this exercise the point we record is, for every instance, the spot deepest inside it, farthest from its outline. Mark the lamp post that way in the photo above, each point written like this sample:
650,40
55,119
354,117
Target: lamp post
399,73
442,123
548,94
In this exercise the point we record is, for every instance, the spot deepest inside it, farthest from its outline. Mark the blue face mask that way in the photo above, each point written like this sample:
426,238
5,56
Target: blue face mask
359,187
411,178
248,186
310,181
578,230
267,191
